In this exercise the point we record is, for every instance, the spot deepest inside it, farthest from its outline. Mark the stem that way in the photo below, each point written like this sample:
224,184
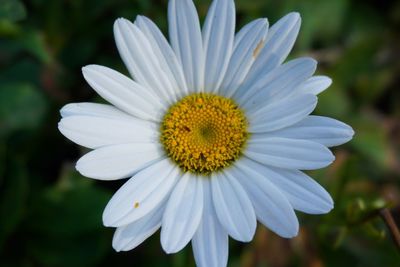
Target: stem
390,223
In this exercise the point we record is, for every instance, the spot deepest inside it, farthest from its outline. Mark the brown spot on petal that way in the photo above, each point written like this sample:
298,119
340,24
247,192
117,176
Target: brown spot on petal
259,46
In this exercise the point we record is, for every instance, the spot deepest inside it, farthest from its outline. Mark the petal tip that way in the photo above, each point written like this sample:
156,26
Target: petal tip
313,61
294,16
328,205
328,81
168,248
66,108
61,125
351,132
106,221
140,20
79,167
331,157
248,238
86,69
119,20
116,247
118,24
294,234
290,233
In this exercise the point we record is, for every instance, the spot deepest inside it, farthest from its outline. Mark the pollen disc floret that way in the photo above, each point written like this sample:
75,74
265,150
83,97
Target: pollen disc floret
204,132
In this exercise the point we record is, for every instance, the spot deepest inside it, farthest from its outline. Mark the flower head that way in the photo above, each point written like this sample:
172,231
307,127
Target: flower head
213,131
204,133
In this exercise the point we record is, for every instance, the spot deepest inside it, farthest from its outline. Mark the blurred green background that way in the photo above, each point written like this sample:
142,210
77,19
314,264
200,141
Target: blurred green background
51,216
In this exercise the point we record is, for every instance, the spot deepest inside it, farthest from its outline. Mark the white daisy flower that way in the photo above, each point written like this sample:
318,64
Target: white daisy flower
213,131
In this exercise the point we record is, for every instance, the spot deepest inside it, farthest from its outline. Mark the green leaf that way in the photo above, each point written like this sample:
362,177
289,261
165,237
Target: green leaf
13,196
333,102
69,212
26,41
33,42
80,251
23,72
66,225
22,107
12,10
371,140
313,12
8,28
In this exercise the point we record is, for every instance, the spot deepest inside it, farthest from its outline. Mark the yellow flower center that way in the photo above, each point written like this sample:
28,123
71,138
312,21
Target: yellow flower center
204,132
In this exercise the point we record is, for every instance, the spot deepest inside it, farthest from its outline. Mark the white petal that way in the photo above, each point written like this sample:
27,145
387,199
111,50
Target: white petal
118,161
186,40
277,84
124,93
282,113
315,85
271,206
326,131
251,26
182,214
95,132
141,194
218,35
93,109
303,193
165,54
288,153
132,235
280,40
233,207
210,242
137,53
248,43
